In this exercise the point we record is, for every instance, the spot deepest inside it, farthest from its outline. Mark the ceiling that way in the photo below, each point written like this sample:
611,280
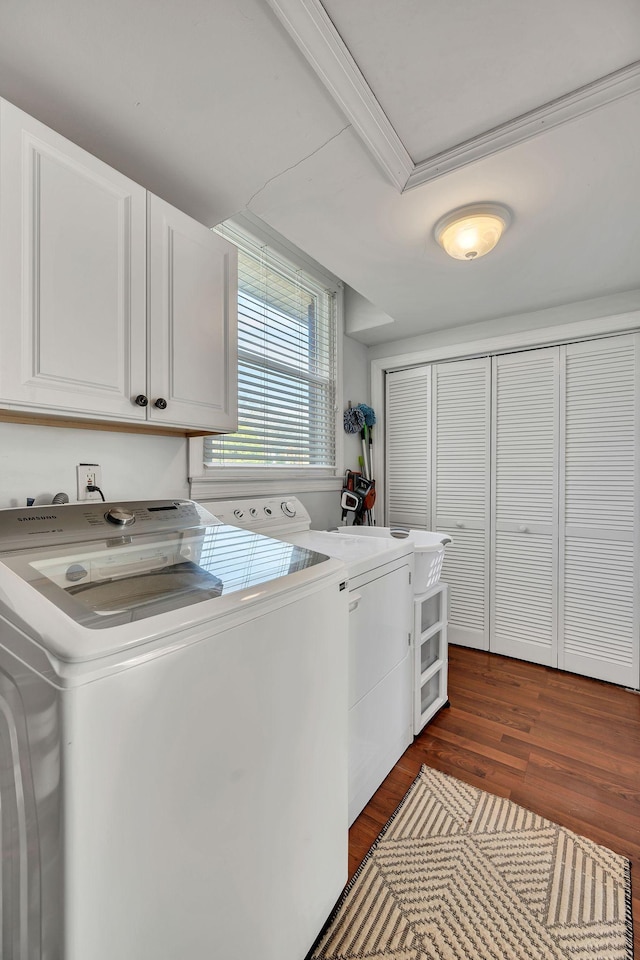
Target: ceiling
351,127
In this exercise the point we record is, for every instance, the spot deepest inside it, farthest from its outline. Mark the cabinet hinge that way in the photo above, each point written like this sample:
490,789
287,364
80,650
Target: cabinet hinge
409,576
409,639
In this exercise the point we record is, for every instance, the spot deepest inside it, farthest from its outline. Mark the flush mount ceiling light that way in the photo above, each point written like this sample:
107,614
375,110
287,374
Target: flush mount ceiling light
469,232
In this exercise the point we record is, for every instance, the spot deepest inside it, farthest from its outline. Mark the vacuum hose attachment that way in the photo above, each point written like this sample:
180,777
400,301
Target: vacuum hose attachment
60,498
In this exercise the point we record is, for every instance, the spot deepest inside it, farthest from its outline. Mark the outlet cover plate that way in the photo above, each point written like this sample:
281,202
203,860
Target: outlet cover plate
88,474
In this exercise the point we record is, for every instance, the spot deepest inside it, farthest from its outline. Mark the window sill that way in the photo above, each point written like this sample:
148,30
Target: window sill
226,487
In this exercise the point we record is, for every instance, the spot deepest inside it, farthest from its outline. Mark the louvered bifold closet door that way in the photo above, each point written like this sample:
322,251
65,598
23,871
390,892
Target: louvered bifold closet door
407,447
599,509
461,488
524,536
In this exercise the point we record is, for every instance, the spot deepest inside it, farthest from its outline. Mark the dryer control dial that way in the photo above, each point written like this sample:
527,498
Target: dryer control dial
120,516
288,508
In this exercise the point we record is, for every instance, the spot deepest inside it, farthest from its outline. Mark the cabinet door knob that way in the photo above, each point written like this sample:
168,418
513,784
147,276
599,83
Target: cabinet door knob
141,400
161,403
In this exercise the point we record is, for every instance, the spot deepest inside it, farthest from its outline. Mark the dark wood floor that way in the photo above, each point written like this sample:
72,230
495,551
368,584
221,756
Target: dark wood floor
561,745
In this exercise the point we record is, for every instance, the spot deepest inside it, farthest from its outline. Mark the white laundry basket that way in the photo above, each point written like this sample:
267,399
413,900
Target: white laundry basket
428,550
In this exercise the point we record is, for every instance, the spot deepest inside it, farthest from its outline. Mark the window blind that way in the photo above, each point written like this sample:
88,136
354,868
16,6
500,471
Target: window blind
286,366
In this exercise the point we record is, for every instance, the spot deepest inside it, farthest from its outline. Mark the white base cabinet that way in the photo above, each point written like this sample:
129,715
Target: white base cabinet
431,655
379,677
80,336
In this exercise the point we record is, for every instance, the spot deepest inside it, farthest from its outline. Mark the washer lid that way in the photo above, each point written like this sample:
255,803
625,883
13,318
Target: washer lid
105,583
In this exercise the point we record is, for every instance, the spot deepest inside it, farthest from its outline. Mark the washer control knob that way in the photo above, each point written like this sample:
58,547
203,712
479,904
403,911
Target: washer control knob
238,514
120,516
288,508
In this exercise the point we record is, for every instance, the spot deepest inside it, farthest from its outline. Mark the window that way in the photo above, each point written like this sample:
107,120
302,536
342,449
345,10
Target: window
287,359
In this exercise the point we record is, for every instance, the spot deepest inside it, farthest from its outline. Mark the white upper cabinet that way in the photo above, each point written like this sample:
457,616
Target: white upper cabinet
193,296
80,248
73,276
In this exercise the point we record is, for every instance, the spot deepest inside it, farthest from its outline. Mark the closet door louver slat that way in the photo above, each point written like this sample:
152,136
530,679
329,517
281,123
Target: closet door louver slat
461,452
525,513
599,510
407,448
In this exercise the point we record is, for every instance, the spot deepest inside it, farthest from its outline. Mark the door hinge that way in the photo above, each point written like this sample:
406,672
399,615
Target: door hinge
409,576
409,639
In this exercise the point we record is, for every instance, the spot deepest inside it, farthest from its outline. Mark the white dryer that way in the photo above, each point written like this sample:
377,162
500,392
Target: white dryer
380,632
173,753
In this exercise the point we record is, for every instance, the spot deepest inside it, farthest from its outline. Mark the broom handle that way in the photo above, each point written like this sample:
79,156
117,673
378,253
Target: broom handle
365,444
372,512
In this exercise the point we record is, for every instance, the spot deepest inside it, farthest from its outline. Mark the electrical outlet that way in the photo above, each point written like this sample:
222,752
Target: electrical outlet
89,475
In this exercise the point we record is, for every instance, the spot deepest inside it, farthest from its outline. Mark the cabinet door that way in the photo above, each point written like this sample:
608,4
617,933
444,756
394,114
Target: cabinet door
524,552
408,448
72,276
461,488
193,304
600,513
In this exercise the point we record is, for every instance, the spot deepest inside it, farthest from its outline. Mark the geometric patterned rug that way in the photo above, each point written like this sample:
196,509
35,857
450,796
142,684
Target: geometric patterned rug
459,874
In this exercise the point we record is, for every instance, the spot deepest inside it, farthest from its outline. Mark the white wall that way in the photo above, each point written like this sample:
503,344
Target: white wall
38,461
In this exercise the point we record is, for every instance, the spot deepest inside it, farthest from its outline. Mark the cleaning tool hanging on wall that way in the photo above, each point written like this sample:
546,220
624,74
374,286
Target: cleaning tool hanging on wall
368,413
353,419
369,421
364,434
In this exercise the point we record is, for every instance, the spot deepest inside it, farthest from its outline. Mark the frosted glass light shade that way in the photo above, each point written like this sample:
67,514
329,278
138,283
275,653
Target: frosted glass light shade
472,231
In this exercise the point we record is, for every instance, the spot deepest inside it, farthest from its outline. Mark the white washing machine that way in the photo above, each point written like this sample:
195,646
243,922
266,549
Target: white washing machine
173,754
380,632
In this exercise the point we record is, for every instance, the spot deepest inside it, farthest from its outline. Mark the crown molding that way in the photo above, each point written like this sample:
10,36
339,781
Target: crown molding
313,31
579,102
309,25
